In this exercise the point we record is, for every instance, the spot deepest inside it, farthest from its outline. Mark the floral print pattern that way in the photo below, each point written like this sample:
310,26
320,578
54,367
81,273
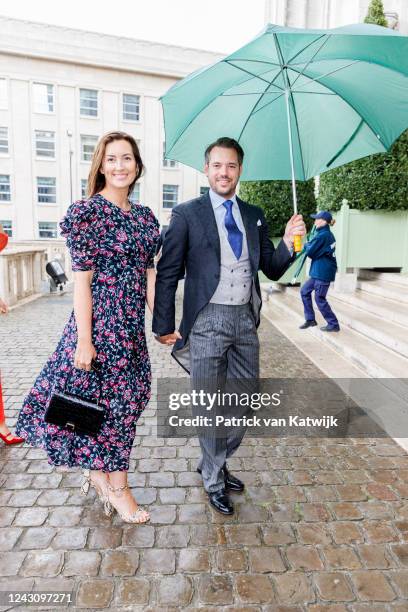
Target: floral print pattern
118,246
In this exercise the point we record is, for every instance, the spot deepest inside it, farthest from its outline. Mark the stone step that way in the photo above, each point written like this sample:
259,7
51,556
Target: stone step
388,277
390,310
384,289
374,359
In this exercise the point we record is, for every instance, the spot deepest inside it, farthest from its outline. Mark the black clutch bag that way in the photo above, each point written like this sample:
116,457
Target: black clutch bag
74,413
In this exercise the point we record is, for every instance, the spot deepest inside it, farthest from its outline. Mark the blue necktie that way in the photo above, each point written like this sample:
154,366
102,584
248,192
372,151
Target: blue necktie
234,233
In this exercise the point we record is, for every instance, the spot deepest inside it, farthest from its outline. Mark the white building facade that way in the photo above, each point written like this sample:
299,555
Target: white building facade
60,90
332,13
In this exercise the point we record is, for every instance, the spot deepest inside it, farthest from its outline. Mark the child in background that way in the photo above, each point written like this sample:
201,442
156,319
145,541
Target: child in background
321,250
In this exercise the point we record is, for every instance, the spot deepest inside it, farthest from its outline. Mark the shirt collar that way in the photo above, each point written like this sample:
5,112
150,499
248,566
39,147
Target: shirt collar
217,200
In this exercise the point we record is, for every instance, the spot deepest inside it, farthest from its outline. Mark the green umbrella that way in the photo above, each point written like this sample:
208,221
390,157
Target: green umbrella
300,102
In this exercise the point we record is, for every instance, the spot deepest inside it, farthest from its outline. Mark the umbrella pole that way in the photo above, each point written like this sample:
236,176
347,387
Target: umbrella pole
297,245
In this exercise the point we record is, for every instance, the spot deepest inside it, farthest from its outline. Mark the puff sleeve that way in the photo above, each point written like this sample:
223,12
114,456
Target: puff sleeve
80,228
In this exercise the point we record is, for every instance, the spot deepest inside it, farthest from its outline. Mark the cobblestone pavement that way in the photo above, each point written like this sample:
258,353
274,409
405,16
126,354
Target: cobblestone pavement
323,524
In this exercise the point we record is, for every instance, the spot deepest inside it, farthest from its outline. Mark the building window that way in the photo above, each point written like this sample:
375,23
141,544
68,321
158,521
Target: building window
4,140
135,195
88,102
46,190
168,163
47,229
84,188
170,196
5,190
43,98
45,144
3,94
7,228
131,107
88,144
204,190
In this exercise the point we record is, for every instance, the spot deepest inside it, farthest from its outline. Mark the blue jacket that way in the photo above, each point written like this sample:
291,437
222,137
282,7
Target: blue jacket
321,250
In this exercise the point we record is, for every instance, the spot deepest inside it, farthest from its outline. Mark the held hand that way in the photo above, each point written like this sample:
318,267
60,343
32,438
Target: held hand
3,307
169,339
294,227
84,353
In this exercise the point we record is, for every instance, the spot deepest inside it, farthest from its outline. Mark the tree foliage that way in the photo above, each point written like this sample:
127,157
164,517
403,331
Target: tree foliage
376,13
275,199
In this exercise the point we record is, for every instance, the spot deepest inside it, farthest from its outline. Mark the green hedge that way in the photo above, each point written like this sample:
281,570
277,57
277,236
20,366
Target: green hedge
275,199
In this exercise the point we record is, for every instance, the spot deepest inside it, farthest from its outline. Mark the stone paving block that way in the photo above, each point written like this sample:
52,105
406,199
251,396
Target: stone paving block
341,557
148,465
132,592
321,493
158,561
45,564
36,537
276,535
254,589
162,515
9,537
249,513
10,563
20,499
232,560
54,497
293,588
347,511
380,491
82,563
346,533
105,537
379,531
47,481
120,563
39,467
194,560
400,581
173,536
304,558
175,590
376,510
376,556
401,553
95,593
214,589
70,538
333,586
372,586
18,481
266,560
351,492
139,536
247,535
68,516
192,513
314,512
174,495
315,533
7,516
207,535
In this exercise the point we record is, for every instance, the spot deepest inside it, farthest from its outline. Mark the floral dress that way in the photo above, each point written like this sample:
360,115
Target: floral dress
118,246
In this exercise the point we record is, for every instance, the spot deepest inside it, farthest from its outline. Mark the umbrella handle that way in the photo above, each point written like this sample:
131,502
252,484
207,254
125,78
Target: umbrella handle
297,243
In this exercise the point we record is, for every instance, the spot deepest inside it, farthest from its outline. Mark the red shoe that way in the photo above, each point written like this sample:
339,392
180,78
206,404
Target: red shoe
11,438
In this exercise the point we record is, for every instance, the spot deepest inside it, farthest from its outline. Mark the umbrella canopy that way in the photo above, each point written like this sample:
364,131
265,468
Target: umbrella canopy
300,102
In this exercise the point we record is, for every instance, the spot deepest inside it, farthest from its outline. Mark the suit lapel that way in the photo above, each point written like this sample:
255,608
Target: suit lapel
209,224
252,234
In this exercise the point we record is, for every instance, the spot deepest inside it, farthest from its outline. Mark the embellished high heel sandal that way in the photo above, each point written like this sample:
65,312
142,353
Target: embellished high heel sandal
138,517
104,497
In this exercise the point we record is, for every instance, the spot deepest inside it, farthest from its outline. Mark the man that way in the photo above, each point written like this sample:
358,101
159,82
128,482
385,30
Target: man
220,242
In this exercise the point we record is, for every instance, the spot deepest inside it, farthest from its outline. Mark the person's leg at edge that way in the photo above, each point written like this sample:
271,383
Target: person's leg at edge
321,290
306,295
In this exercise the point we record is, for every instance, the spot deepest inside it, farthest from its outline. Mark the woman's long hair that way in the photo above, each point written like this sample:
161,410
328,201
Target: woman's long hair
96,180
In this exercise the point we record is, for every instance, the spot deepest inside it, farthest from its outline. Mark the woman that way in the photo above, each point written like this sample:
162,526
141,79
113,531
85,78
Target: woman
5,433
321,250
112,244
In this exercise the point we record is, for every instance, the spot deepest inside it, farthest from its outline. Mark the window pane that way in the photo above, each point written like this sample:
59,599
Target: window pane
7,228
84,186
131,107
88,144
168,163
5,191
135,195
44,143
4,140
43,97
170,196
3,93
88,105
46,190
47,229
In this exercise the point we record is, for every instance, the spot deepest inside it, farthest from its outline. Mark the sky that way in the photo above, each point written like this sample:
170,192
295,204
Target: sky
213,25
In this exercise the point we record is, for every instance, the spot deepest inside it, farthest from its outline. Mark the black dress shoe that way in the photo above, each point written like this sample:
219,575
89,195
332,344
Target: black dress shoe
307,324
232,483
330,328
221,502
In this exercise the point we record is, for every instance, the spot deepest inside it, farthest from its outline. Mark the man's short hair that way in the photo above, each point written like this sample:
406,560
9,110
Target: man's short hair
226,143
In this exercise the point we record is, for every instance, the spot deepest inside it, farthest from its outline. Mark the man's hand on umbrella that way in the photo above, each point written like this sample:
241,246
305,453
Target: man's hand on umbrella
168,339
294,227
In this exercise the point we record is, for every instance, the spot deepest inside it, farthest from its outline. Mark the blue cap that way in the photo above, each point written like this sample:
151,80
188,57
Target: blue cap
323,214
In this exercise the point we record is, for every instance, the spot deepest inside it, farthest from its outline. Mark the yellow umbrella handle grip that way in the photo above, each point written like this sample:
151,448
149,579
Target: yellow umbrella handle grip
297,244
